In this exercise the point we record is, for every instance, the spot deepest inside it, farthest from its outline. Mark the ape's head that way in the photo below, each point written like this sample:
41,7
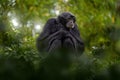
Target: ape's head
67,19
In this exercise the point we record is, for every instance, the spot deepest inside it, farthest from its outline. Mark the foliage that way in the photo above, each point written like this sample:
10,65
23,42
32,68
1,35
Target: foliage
98,22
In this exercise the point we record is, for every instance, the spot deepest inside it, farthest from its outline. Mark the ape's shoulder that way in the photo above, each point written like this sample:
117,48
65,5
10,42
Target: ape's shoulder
51,20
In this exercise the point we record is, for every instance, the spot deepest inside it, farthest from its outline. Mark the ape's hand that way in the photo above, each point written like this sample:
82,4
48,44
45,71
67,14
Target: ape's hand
63,32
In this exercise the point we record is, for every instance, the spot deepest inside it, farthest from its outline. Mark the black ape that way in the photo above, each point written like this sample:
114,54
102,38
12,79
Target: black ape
60,33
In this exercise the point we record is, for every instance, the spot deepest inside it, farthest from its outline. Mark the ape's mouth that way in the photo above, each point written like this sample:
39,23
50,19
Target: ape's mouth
70,26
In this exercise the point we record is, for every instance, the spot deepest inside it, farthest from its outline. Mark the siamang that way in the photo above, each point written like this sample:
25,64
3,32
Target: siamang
60,33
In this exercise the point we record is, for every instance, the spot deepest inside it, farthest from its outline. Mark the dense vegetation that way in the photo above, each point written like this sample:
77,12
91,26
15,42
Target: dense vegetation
21,21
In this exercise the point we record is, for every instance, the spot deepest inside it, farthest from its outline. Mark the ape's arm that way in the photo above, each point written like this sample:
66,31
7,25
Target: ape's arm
47,29
48,35
79,43
41,40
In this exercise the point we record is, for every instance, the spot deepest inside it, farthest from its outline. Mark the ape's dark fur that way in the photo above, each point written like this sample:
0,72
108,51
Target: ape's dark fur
59,33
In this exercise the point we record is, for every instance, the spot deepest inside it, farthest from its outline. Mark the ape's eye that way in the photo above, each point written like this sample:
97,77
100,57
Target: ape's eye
69,19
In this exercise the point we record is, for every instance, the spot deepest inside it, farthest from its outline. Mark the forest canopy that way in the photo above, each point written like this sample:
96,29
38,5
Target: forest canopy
21,21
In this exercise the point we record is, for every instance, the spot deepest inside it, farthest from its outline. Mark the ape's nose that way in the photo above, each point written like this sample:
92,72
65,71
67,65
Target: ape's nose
71,22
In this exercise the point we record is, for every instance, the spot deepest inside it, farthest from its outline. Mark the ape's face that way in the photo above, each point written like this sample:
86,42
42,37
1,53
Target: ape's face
67,19
70,23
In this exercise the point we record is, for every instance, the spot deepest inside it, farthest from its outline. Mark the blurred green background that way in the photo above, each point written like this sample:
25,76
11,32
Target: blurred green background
21,21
